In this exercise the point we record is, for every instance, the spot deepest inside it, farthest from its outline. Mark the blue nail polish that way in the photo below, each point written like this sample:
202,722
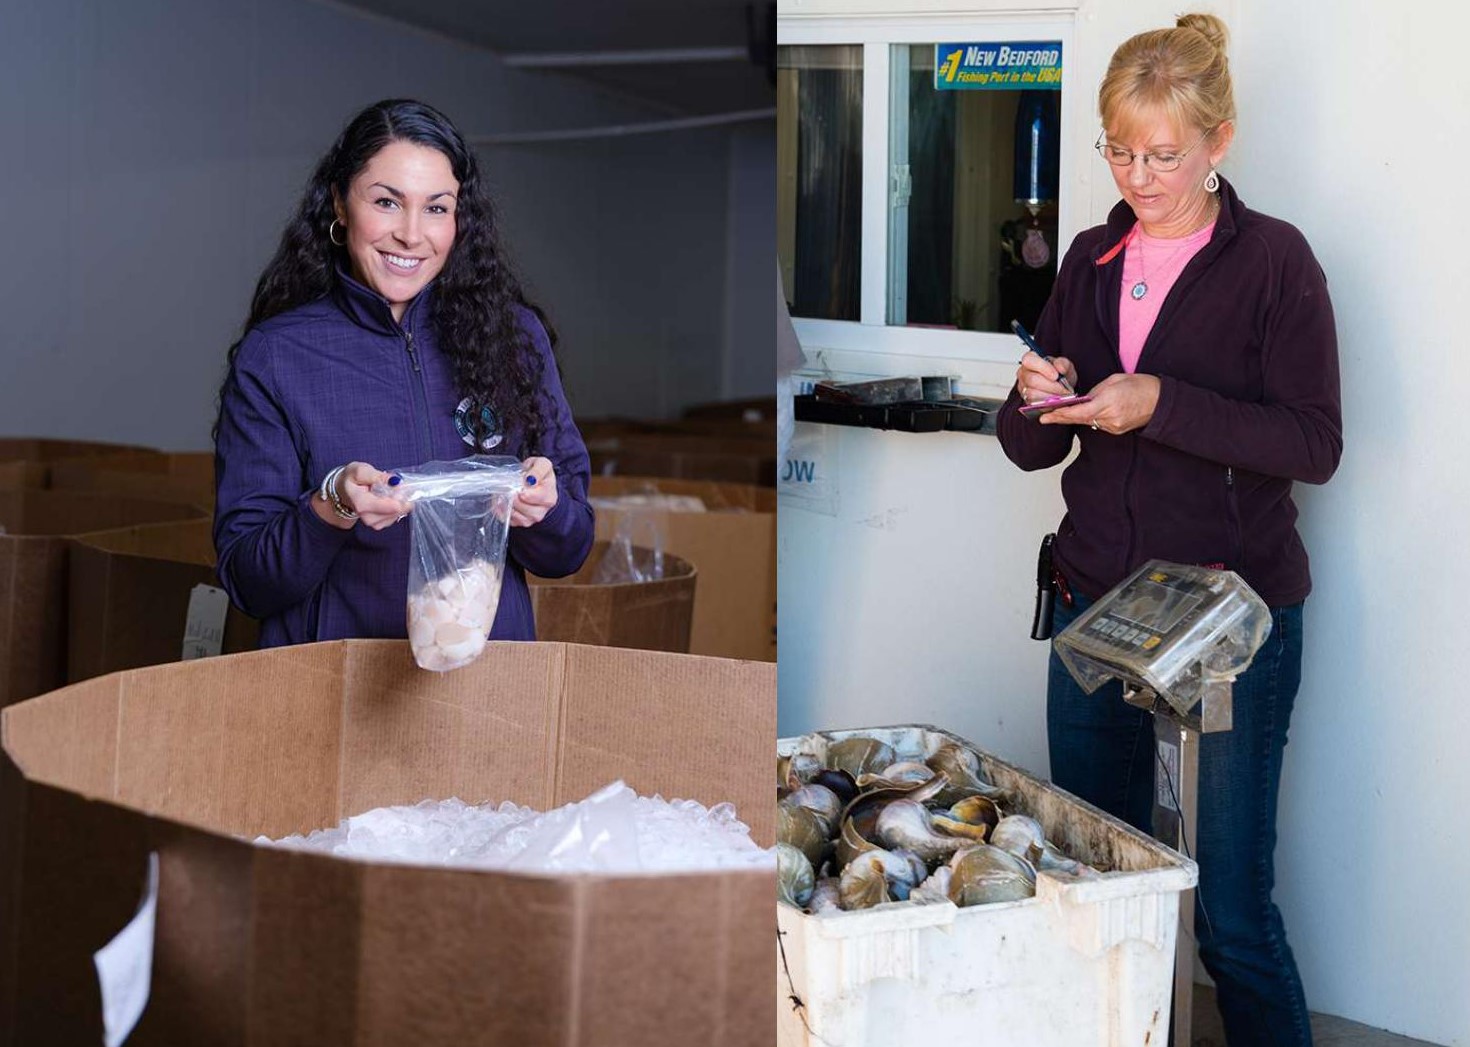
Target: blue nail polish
394,481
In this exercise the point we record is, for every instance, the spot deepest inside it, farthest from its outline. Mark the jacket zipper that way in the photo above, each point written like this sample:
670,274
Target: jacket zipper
1238,542
421,394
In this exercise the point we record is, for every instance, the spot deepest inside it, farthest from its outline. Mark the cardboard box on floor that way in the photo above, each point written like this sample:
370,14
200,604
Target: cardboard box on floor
686,456
258,945
733,547
186,476
756,408
25,462
129,598
654,615
34,554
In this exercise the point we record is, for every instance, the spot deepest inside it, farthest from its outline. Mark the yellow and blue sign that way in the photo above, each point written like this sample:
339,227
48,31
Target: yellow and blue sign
1027,65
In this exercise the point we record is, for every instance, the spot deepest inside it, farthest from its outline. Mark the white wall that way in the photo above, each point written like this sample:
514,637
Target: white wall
153,151
1353,125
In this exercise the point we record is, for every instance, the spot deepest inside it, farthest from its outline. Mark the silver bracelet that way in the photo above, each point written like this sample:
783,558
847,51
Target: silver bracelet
330,493
328,482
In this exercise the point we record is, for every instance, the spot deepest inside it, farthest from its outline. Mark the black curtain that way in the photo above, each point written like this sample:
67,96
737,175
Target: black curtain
931,207
829,194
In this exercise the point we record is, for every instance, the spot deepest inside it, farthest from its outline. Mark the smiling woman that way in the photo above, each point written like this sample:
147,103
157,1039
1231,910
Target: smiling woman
388,330
398,214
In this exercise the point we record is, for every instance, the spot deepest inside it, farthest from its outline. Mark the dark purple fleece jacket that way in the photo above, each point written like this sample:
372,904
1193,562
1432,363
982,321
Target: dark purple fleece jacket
1246,354
334,381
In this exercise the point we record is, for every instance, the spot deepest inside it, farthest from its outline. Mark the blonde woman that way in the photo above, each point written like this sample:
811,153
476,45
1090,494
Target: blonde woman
1203,331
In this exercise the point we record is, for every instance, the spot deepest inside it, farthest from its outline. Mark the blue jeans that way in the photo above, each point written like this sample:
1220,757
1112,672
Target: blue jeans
1102,749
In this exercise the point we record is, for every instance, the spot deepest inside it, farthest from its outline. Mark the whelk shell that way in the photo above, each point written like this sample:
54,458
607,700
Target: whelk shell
907,824
818,799
859,755
794,877
961,765
803,829
983,874
877,876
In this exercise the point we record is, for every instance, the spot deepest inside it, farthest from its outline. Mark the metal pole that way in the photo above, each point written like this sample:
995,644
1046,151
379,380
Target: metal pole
1176,814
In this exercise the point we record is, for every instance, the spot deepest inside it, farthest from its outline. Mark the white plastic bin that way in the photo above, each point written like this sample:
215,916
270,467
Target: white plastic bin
1085,963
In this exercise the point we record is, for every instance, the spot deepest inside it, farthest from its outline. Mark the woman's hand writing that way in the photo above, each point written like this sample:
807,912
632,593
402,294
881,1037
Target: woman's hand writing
1120,403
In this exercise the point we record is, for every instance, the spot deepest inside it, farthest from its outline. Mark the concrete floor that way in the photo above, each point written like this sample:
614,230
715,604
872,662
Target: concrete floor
1327,1031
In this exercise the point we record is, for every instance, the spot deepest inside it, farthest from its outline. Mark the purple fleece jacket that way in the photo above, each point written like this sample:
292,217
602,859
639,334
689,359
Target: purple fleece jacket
333,382
1246,354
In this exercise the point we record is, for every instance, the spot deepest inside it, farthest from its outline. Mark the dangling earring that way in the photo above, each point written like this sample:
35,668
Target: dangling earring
1212,182
332,236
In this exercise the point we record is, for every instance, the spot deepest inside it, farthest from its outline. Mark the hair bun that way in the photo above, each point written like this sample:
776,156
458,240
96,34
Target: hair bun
1207,25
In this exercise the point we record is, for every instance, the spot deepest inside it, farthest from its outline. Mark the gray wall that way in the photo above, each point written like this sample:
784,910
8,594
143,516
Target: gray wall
750,325
153,150
626,237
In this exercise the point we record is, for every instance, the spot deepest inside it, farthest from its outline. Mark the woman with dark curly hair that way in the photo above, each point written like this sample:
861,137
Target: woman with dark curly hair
388,329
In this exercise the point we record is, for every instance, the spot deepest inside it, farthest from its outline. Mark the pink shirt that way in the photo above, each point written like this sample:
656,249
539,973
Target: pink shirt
1161,262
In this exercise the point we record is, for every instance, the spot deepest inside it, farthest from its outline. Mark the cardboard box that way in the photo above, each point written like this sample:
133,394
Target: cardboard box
25,462
653,616
33,576
258,945
687,456
732,546
129,598
756,408
186,477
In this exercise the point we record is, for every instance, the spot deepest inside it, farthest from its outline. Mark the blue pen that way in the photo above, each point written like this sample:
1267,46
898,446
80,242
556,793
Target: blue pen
1025,336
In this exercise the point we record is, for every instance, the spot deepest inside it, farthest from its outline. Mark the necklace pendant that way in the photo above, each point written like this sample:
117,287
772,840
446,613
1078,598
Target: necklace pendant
1139,290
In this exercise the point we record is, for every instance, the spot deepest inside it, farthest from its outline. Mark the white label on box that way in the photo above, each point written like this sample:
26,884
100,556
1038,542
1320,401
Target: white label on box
125,966
204,628
1165,790
808,474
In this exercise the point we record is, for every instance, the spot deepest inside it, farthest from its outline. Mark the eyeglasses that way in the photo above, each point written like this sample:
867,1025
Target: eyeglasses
1163,163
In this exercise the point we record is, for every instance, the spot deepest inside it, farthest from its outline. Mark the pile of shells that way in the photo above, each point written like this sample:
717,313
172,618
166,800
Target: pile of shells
863,827
450,617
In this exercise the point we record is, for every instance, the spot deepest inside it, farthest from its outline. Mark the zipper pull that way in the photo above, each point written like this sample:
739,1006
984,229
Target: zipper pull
408,344
1229,476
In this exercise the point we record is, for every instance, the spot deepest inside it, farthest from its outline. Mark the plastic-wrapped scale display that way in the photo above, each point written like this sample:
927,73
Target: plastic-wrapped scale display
1177,630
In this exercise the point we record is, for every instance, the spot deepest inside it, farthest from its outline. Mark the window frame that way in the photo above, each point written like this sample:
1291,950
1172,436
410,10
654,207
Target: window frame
871,336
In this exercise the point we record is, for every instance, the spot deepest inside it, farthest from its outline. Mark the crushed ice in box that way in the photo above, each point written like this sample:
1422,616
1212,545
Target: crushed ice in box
612,831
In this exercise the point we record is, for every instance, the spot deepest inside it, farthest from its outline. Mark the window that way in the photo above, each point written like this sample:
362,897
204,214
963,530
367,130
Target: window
952,201
972,213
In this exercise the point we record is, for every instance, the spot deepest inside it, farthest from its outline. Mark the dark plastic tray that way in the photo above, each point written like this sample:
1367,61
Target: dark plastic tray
962,414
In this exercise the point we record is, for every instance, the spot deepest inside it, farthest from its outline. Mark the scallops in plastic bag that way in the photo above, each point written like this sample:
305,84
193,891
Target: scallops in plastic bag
460,521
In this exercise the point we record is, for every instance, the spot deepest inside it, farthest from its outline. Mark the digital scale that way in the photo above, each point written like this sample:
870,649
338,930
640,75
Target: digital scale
1177,636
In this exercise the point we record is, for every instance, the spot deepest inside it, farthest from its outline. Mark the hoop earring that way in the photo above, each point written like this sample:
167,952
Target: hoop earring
1212,182
331,235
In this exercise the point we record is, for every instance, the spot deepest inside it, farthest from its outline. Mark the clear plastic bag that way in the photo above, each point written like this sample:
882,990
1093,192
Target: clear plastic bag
637,530
640,525
460,521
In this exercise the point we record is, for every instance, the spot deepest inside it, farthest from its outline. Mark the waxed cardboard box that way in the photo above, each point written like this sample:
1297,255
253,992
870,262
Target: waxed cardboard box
257,945
654,615
34,589
129,598
25,462
752,409
733,547
688,456
184,476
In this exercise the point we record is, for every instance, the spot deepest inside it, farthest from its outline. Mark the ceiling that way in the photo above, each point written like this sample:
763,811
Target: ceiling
698,87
